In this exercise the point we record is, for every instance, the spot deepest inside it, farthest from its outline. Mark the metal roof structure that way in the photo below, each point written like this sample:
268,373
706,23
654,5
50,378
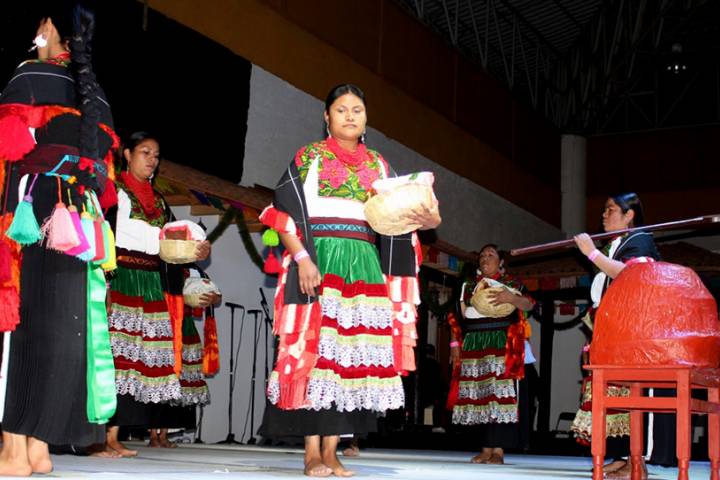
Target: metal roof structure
593,66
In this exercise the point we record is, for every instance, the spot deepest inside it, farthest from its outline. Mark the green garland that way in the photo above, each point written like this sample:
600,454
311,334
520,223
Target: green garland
235,214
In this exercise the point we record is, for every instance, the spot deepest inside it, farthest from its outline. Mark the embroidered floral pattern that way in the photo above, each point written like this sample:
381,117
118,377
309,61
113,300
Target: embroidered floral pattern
161,389
337,179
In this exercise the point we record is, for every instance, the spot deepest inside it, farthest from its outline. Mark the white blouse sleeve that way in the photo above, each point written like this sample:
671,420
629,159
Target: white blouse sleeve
135,234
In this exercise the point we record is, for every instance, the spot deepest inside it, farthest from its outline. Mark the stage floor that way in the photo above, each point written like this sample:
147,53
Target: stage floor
199,462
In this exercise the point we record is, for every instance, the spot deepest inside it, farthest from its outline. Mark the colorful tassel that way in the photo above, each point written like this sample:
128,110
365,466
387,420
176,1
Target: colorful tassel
110,263
59,230
211,351
9,308
271,238
15,138
272,265
24,228
84,245
88,228
5,262
100,254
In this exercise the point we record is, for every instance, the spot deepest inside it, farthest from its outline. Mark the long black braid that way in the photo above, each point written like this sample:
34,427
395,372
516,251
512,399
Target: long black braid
86,84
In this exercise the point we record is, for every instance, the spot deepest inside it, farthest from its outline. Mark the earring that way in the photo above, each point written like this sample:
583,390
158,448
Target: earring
151,176
327,129
362,137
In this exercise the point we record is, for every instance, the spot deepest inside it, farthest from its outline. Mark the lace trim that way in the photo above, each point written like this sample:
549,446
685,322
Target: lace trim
616,425
151,357
137,322
348,355
491,413
193,396
481,367
192,353
325,394
480,390
357,314
128,383
192,374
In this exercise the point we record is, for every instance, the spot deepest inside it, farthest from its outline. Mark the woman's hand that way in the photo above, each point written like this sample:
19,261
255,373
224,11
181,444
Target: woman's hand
202,250
212,298
503,296
427,217
584,243
309,276
455,356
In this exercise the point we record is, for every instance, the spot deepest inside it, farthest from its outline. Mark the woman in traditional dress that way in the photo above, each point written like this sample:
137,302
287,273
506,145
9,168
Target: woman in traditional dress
55,132
150,359
344,312
491,354
621,212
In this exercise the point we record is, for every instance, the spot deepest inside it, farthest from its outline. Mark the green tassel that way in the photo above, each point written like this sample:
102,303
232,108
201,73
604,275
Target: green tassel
24,228
271,238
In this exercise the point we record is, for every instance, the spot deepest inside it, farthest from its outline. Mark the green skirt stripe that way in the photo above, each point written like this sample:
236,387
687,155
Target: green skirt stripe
352,260
138,283
475,341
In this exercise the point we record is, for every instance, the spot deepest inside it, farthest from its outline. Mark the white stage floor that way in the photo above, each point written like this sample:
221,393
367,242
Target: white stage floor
200,462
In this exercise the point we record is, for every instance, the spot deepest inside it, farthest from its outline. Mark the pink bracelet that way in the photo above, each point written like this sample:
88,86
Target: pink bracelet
300,255
454,343
593,255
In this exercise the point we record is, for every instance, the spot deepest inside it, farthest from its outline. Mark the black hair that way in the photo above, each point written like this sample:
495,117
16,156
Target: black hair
86,86
501,254
343,89
630,201
132,141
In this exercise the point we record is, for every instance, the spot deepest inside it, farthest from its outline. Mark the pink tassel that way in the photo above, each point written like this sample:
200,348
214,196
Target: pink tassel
59,231
83,246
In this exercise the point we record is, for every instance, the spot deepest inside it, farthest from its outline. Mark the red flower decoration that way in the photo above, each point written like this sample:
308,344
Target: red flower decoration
334,172
366,176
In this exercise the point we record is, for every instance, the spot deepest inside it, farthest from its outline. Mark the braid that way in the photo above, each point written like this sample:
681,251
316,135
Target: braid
86,85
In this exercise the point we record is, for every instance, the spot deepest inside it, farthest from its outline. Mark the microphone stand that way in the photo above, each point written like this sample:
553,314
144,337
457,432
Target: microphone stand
255,313
230,439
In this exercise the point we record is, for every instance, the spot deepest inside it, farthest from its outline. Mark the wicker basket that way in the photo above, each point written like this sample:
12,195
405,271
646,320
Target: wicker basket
481,302
386,212
178,251
196,287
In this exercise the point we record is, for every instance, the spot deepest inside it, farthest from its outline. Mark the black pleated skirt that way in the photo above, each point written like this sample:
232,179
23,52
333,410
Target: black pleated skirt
46,388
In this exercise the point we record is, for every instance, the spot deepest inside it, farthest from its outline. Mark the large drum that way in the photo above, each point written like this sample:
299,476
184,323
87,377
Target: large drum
656,314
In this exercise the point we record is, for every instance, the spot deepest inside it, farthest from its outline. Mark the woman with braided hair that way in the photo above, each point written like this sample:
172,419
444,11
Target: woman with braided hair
56,140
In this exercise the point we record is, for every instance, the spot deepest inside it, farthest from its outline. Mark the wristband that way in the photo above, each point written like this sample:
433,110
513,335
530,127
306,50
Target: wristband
454,343
300,255
593,255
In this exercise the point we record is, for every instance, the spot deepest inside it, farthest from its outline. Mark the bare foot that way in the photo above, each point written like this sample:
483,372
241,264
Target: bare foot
14,468
481,457
165,443
613,466
351,451
106,453
39,456
315,468
496,459
625,472
333,463
14,456
154,442
120,448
